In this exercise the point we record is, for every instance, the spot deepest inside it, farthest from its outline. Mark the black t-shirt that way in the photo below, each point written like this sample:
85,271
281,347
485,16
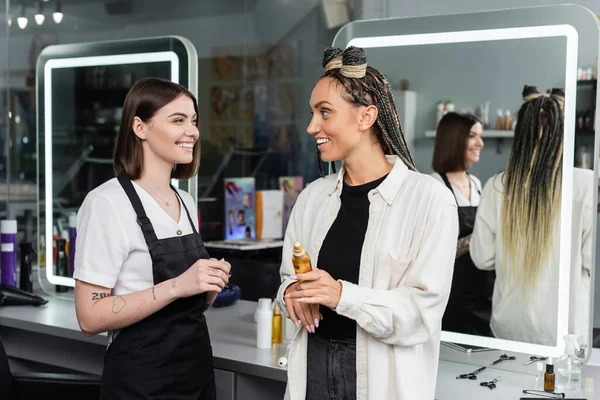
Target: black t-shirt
341,251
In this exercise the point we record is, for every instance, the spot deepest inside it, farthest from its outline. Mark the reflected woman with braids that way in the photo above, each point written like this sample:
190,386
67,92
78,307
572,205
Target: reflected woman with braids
517,229
382,240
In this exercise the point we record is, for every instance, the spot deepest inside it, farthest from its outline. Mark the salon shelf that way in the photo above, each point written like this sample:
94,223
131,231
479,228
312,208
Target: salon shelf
486,134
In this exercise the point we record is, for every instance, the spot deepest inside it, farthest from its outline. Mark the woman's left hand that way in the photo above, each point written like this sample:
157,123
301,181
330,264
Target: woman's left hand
316,287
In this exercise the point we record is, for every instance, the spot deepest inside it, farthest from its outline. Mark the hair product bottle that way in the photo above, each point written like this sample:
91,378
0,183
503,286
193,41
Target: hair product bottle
264,323
300,259
277,328
549,377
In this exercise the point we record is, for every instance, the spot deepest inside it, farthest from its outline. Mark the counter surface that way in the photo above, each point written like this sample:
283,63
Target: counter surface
233,334
232,330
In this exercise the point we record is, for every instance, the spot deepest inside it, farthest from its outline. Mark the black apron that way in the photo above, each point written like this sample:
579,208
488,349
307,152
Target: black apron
470,304
167,355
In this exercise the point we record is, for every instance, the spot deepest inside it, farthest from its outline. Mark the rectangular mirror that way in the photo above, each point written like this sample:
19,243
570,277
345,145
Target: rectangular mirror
478,64
81,89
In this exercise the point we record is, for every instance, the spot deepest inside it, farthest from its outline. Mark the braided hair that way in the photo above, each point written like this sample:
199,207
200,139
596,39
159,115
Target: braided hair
532,186
364,85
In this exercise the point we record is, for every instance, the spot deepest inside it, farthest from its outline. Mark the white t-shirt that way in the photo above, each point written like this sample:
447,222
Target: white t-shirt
461,199
111,249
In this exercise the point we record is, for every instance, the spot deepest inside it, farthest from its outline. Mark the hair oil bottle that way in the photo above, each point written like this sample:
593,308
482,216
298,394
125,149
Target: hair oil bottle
300,259
549,377
277,328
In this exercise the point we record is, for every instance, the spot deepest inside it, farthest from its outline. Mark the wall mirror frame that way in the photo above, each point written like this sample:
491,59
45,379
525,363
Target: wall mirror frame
579,27
182,59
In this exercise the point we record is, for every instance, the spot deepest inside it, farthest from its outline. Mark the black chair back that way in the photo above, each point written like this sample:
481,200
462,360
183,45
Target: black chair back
6,381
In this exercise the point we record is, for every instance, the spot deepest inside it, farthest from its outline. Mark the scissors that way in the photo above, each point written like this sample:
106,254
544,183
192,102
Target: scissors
533,359
504,357
471,375
490,384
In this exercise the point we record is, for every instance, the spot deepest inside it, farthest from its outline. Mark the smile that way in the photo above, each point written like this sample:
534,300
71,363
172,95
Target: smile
322,141
186,146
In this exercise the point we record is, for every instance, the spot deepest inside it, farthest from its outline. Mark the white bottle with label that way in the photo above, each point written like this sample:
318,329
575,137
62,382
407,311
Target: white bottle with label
568,367
264,315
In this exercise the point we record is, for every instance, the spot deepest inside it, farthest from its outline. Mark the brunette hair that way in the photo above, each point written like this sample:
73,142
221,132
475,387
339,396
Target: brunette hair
143,100
451,138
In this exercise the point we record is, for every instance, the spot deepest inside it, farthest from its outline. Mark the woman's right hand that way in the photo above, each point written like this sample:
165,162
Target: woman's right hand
302,313
203,276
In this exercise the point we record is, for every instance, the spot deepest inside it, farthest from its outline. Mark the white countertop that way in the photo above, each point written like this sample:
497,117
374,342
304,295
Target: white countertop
233,338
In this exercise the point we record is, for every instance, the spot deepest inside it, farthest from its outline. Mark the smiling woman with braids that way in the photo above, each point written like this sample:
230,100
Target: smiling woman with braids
382,238
517,229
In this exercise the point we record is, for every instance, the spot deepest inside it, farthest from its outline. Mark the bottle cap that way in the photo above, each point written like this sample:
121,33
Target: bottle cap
298,250
589,384
276,309
264,304
73,220
549,366
8,226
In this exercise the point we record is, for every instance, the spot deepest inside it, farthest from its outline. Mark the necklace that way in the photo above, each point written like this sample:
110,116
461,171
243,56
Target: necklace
167,203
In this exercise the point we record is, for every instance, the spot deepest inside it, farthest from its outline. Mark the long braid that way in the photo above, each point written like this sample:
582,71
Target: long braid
372,88
532,186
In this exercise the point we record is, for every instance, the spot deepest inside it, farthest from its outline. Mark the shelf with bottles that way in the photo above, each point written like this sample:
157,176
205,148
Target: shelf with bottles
487,133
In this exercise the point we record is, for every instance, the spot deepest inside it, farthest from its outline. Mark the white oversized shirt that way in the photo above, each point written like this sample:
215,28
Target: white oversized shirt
405,276
537,322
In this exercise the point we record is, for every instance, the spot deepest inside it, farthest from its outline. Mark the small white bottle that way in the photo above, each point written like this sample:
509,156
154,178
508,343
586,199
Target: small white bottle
264,318
539,376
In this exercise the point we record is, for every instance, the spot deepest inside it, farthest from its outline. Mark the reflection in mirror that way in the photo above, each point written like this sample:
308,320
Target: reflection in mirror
81,89
522,276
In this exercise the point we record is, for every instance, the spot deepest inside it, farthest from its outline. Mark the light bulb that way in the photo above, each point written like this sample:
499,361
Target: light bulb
22,22
39,18
57,17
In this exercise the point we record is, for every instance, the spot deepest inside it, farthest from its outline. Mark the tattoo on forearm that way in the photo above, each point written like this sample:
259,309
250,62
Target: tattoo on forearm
118,304
98,296
153,295
462,247
174,284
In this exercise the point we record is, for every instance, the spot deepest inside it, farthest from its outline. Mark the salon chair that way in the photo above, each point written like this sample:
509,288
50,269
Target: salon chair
34,385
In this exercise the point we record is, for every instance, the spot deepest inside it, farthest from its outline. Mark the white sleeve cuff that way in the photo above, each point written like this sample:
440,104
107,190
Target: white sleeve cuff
349,300
94,278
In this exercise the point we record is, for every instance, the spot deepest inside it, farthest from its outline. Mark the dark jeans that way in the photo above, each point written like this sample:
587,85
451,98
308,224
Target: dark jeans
331,369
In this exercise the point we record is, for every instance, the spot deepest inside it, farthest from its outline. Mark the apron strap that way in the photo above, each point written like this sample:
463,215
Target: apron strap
447,182
186,211
142,220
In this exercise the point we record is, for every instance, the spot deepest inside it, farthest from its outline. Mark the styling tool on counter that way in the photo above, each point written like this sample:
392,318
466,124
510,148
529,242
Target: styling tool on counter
471,375
300,259
533,359
547,395
491,384
504,357
11,296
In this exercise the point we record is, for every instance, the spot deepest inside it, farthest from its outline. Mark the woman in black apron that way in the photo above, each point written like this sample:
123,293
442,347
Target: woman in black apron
470,304
457,146
159,346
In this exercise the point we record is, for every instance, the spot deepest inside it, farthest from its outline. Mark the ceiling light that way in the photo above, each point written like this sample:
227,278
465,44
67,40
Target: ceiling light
22,20
39,15
57,16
